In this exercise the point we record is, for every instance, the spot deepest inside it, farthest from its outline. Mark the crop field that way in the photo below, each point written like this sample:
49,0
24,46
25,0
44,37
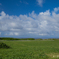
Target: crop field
34,49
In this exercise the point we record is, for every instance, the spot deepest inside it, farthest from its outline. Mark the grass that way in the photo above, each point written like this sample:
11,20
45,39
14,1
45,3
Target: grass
31,50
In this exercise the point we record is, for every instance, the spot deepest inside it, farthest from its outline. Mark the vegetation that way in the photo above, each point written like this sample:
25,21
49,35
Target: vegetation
39,39
35,49
26,39
3,45
17,39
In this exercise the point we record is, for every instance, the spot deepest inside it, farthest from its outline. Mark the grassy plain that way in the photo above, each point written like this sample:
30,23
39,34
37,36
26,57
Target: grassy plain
35,49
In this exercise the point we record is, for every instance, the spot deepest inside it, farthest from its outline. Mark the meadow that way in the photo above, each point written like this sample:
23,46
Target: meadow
30,49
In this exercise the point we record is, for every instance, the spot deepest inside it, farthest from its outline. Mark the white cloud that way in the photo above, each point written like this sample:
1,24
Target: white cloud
32,14
42,24
16,33
0,33
40,2
56,9
2,13
47,13
12,34
42,34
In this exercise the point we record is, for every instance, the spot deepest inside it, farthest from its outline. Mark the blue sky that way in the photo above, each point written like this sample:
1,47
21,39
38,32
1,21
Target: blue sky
29,18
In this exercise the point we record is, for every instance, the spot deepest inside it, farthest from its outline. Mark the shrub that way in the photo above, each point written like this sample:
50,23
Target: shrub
3,45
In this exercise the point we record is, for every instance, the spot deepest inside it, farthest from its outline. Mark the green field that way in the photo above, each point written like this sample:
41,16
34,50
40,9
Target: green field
35,49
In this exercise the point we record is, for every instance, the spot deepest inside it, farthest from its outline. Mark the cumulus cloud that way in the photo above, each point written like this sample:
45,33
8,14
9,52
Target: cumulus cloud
56,9
42,24
32,14
40,2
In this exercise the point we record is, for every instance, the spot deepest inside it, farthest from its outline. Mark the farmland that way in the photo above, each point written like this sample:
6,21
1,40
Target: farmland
31,49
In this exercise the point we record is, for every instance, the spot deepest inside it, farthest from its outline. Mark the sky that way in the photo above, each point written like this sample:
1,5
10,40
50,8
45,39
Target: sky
29,18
